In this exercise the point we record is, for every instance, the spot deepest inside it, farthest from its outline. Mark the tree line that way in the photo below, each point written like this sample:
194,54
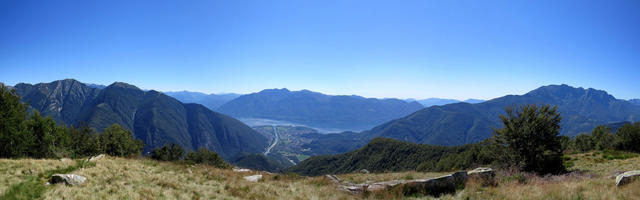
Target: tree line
626,138
24,132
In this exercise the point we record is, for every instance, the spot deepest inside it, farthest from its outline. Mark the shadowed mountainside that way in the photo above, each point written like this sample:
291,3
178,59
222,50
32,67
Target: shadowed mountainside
464,123
153,117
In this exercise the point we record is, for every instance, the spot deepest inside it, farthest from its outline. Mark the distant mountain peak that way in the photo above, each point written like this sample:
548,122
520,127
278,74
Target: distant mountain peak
123,85
97,86
316,109
566,91
281,90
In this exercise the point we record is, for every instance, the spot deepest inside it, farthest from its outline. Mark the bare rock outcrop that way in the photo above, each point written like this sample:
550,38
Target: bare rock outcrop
95,158
254,178
241,170
627,177
69,179
432,186
484,175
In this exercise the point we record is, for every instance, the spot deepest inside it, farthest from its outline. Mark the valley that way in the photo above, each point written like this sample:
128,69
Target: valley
275,141
291,140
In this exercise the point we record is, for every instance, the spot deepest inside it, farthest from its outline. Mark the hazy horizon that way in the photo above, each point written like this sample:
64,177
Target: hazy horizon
408,98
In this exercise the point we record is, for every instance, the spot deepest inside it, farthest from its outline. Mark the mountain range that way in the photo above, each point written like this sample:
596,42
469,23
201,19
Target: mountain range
211,101
439,102
158,119
463,123
317,109
153,117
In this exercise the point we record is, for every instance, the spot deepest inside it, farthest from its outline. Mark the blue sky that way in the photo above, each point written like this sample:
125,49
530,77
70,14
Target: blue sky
404,49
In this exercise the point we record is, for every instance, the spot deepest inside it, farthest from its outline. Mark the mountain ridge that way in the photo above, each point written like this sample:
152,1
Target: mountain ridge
151,116
464,123
317,109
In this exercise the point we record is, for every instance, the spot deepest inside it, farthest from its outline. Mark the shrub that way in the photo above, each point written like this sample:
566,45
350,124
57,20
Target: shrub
603,139
530,139
117,141
171,152
583,142
629,137
204,156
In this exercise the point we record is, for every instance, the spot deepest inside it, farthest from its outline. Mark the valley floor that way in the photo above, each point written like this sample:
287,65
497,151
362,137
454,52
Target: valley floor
119,178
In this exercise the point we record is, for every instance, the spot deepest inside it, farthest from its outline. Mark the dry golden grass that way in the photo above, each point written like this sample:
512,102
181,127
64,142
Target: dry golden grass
13,171
588,188
119,178
594,162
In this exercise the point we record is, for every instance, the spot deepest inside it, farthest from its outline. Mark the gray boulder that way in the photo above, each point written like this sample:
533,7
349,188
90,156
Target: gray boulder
436,186
484,175
364,171
627,177
254,178
95,158
69,179
333,178
353,189
379,186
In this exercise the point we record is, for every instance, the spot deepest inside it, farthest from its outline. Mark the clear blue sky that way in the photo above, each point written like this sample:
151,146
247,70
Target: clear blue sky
417,49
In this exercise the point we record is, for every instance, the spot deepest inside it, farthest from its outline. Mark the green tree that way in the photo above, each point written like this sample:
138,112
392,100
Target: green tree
583,142
204,156
530,138
12,122
171,152
42,133
117,141
83,140
629,137
565,142
603,138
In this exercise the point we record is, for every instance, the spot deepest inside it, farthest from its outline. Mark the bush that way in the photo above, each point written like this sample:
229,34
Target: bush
117,141
583,143
565,142
629,137
530,139
204,156
603,139
171,152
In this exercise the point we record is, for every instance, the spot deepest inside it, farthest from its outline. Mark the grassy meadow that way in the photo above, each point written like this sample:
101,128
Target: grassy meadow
120,178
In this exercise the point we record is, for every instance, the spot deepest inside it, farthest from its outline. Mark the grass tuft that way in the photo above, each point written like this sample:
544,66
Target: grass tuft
31,188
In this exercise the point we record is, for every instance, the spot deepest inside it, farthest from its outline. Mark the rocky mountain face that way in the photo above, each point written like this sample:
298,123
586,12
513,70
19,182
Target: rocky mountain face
153,117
